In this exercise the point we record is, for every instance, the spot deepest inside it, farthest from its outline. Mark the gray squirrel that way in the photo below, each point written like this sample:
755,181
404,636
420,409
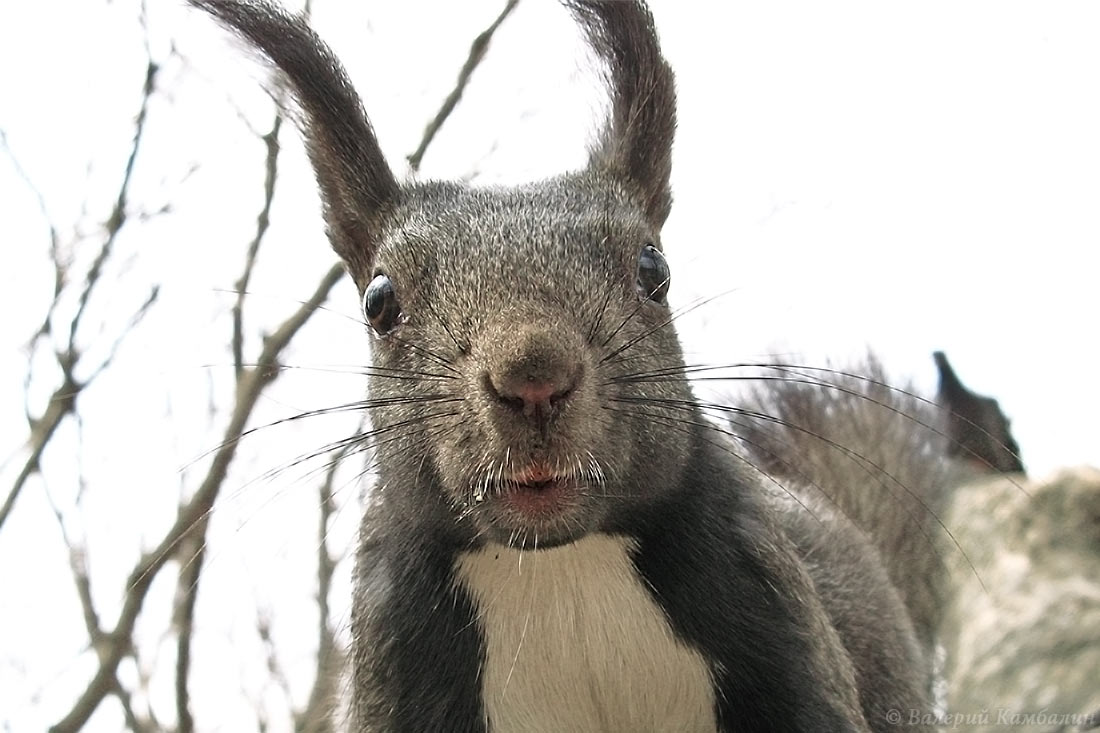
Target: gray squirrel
560,539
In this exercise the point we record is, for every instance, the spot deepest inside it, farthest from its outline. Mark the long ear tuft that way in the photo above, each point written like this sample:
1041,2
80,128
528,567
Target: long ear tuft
636,145
357,185
979,430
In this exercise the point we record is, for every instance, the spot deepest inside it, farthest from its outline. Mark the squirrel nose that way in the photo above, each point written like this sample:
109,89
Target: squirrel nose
531,372
529,394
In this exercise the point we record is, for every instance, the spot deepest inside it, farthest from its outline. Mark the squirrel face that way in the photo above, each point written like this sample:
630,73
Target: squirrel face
526,311
513,323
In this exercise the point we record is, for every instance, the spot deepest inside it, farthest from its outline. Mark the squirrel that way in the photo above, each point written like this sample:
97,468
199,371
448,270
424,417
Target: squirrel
560,539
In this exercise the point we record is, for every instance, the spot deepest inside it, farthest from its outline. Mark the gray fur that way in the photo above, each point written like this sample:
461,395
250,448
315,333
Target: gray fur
847,440
525,347
853,440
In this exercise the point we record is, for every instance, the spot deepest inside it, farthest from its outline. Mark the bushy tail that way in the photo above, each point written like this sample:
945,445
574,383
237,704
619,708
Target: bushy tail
884,456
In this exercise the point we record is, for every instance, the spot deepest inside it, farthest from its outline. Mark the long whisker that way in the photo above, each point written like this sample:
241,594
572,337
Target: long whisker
350,446
359,405
351,370
365,441
685,425
692,405
438,359
642,302
674,316
446,327
675,374
597,322
799,370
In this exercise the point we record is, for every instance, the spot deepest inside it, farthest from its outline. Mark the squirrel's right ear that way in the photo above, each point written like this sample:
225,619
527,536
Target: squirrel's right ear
357,185
636,145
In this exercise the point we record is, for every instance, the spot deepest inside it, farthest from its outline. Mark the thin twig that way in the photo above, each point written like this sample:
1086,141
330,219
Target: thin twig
274,669
78,565
60,269
317,716
263,222
477,52
119,212
192,554
112,352
61,404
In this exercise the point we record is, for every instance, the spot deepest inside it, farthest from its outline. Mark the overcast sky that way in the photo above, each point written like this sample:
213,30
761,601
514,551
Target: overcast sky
904,177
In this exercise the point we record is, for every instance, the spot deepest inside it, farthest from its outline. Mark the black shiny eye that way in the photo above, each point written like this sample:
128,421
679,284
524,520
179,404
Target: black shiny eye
380,305
653,275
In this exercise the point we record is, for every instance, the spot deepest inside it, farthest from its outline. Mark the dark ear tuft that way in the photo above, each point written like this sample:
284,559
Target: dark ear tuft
357,185
978,430
636,146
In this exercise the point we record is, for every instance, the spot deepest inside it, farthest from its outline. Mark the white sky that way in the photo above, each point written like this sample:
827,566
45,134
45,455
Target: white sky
908,177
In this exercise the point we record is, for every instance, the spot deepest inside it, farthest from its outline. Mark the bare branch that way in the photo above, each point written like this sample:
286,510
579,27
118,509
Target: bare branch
135,319
189,519
263,221
61,404
118,214
79,567
134,722
63,400
477,52
263,628
192,553
60,275
40,199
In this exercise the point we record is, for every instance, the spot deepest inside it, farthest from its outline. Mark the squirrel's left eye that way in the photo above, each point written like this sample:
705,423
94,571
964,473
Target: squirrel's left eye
380,305
653,274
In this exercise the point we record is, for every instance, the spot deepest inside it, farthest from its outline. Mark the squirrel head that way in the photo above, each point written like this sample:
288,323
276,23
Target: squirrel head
524,364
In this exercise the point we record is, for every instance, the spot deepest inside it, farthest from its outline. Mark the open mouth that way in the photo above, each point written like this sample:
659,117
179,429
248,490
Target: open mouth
537,508
538,494
541,499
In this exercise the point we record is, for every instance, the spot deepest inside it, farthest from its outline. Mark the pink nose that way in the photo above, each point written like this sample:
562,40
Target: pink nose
532,396
531,371
536,392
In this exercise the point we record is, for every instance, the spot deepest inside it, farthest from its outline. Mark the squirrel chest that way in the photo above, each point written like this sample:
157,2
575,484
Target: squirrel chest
574,641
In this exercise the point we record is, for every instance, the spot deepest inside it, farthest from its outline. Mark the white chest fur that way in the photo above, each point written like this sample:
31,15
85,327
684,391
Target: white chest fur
574,642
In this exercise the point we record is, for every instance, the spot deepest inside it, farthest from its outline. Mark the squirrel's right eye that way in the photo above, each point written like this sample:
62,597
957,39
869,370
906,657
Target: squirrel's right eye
380,305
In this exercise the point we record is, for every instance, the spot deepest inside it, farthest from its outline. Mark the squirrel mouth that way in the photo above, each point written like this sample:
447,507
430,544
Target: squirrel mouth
537,493
536,507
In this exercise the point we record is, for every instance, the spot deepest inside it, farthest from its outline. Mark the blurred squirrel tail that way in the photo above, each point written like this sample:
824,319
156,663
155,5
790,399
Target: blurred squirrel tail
887,458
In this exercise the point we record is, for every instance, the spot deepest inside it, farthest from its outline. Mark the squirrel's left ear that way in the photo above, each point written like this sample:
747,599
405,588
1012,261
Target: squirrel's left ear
357,186
636,145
